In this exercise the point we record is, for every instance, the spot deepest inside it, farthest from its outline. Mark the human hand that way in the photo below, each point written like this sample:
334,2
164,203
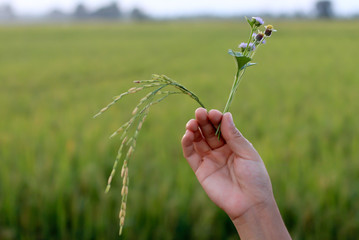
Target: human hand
230,170
233,175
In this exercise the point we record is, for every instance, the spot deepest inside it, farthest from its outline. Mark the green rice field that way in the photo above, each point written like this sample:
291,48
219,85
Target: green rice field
299,106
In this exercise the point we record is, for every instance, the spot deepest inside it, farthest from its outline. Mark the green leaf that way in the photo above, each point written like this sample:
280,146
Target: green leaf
240,58
251,23
248,65
235,54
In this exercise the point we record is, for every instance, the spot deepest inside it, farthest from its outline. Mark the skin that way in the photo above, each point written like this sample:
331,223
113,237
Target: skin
233,175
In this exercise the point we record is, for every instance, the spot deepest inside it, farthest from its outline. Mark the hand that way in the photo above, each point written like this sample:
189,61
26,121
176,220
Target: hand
233,175
229,169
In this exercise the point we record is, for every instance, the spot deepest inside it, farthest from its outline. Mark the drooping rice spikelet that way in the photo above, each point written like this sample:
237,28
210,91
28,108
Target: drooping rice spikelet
125,127
118,157
124,172
129,133
129,91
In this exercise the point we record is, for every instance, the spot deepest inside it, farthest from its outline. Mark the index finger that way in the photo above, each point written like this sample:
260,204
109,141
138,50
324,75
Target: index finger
207,127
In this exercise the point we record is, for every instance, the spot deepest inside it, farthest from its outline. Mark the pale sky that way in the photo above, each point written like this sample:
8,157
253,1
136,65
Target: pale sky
164,8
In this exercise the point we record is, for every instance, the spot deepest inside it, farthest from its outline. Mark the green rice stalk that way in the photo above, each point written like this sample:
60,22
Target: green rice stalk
139,115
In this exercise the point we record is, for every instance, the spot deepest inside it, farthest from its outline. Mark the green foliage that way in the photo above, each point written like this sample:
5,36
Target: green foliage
299,112
240,59
250,22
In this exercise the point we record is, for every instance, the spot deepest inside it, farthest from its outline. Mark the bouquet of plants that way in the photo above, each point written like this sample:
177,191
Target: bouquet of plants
161,87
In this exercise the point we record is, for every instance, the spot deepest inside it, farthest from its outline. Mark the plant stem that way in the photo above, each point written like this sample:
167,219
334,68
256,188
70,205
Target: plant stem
249,40
237,80
235,85
186,91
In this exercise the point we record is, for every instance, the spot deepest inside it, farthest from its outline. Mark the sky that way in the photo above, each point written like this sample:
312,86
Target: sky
168,8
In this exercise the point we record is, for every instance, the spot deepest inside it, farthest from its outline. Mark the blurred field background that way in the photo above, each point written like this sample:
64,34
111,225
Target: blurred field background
298,106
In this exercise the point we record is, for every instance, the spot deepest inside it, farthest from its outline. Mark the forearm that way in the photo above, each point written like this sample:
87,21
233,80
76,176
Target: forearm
262,222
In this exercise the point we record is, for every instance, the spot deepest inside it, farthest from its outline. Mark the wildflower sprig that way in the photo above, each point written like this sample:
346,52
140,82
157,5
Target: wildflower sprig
160,87
245,55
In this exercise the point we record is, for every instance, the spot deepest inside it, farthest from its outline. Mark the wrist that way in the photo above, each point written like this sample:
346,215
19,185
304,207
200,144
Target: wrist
262,221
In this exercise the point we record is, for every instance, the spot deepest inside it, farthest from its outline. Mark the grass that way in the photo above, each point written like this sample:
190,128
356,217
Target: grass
297,106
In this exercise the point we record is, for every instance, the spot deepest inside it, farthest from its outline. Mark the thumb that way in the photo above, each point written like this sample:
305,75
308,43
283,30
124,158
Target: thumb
235,140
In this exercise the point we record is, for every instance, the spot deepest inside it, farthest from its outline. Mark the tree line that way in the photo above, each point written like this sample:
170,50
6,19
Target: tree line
111,11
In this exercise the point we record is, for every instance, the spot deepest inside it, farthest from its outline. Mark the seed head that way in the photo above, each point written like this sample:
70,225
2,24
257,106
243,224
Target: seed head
125,175
130,150
144,98
135,111
121,214
132,90
269,30
259,37
156,76
124,190
123,171
122,221
109,179
140,125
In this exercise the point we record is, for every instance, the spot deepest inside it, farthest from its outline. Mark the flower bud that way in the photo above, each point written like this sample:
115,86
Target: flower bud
259,37
243,46
269,30
257,21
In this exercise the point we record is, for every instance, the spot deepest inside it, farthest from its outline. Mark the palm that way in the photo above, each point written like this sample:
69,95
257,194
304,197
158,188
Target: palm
233,176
